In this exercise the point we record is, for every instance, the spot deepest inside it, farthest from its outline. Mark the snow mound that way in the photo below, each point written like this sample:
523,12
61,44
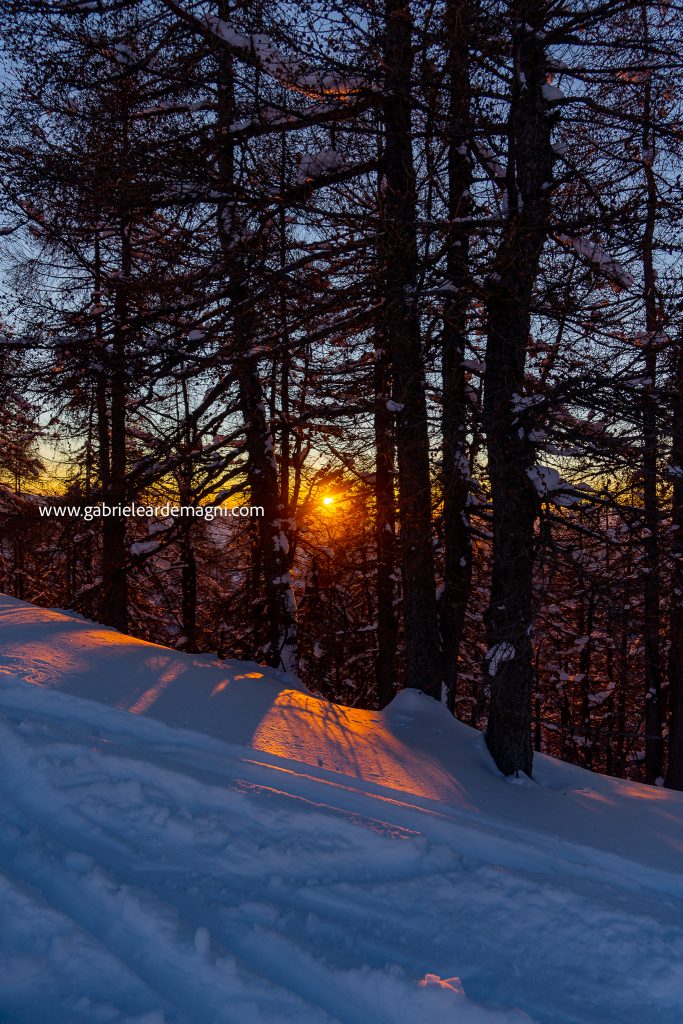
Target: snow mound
187,840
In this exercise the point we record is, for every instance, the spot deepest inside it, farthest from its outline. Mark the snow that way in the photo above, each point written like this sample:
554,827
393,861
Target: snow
545,479
489,160
520,403
551,487
551,93
601,261
312,165
285,70
188,840
499,654
144,547
477,366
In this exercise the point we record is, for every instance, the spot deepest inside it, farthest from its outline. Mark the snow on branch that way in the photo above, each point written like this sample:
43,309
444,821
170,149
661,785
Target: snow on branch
312,165
489,160
551,487
285,70
498,655
599,259
175,108
552,93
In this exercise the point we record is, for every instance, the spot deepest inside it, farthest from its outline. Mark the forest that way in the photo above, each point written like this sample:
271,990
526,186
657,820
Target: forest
404,281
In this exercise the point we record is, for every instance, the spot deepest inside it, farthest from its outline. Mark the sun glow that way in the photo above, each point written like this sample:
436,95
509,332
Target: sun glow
328,500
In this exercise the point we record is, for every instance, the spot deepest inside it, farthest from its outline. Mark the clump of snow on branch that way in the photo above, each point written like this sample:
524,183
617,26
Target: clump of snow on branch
551,487
144,547
489,160
283,69
552,93
495,656
599,259
312,165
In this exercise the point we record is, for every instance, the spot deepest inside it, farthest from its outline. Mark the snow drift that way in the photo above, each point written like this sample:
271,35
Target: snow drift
187,840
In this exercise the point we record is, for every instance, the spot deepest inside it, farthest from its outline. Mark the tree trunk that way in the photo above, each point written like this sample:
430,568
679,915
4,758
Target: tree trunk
674,778
114,605
385,526
456,468
510,452
188,588
110,406
102,412
188,572
399,258
262,473
654,740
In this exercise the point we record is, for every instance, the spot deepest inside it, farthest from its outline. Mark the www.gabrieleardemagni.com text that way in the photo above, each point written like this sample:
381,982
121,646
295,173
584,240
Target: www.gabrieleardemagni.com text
167,511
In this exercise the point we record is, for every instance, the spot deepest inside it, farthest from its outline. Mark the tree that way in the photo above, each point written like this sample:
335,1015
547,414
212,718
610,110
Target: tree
399,257
510,450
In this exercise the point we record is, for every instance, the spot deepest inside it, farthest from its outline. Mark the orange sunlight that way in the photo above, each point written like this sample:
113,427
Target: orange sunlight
641,792
358,743
224,683
150,696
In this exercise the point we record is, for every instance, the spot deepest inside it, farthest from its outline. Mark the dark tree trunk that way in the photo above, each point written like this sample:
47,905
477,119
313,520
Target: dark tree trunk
456,468
188,588
188,572
114,606
101,408
19,587
674,777
102,416
654,740
274,544
385,526
510,452
399,258
586,629
110,407
262,473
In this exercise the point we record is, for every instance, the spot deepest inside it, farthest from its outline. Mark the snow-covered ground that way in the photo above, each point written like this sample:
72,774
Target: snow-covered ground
186,840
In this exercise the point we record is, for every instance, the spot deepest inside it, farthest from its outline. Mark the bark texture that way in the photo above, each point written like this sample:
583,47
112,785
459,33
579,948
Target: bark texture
262,474
674,777
456,466
399,256
508,664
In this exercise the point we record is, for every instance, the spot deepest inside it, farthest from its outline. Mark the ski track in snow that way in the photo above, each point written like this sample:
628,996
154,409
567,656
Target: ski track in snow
154,875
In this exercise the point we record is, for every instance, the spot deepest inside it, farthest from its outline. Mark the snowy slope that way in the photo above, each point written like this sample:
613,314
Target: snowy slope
183,840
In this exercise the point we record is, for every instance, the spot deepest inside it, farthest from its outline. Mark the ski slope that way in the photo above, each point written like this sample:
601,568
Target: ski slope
186,840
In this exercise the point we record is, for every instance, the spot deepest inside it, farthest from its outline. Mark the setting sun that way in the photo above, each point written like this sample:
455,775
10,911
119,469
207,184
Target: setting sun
328,500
